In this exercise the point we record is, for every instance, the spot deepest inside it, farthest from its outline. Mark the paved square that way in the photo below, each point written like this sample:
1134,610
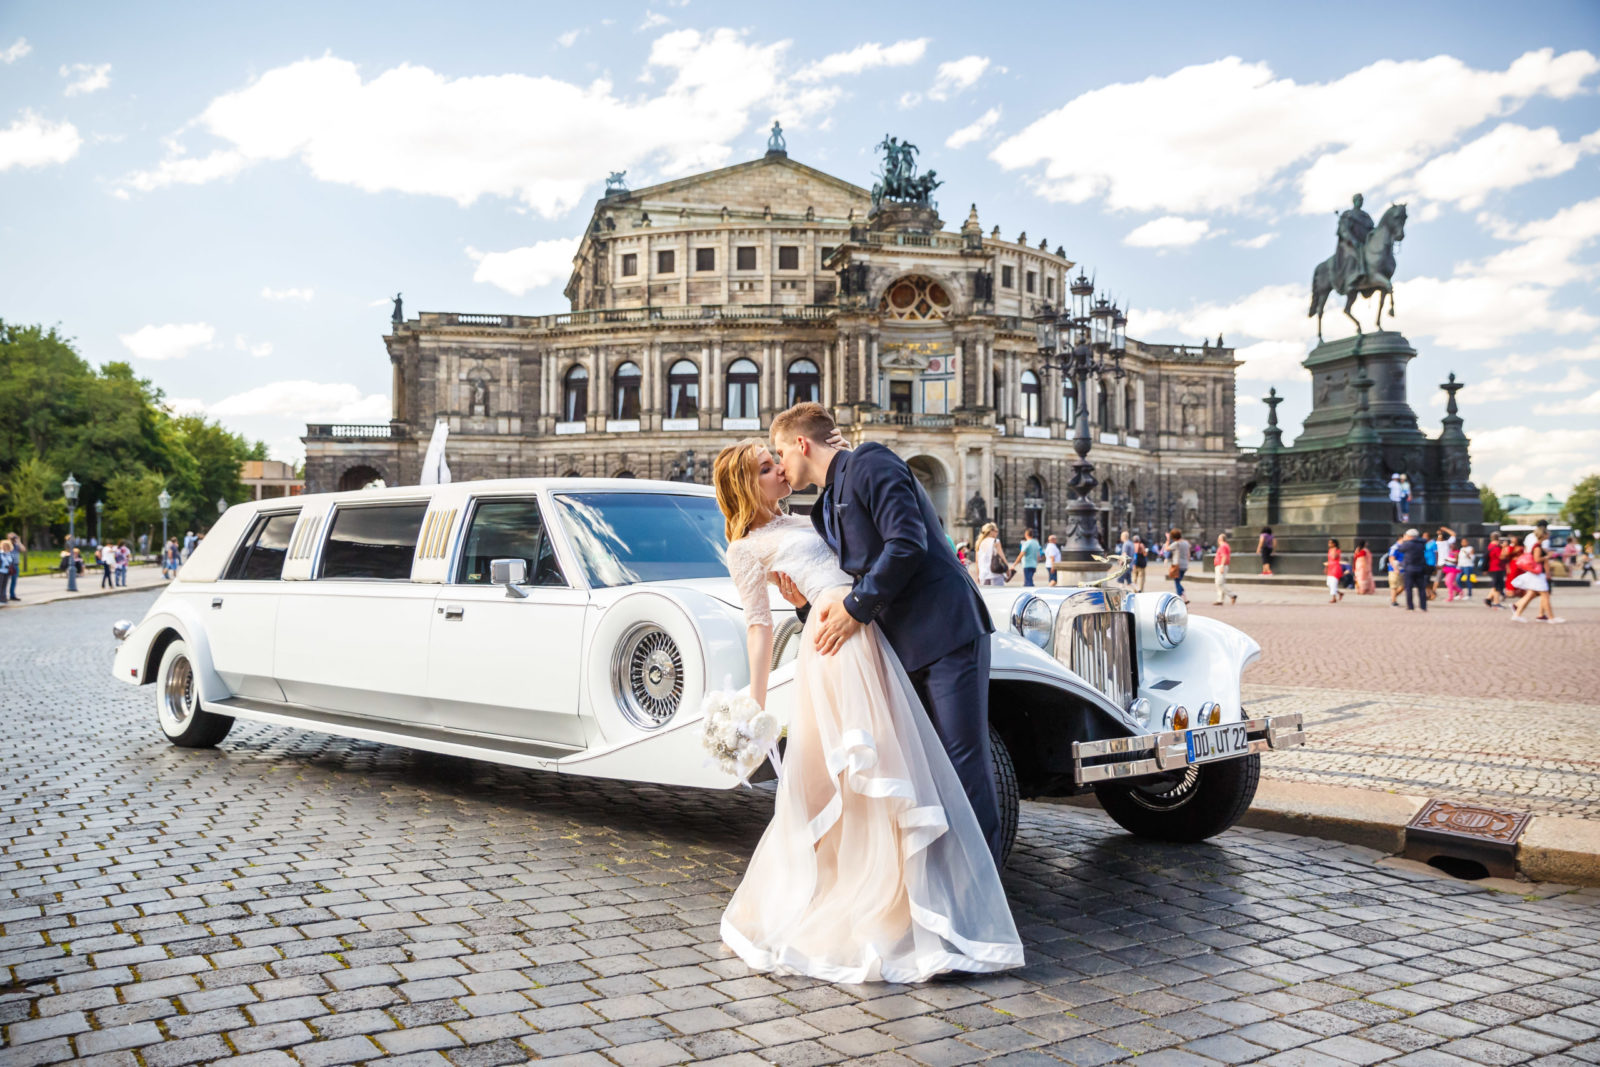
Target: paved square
290,898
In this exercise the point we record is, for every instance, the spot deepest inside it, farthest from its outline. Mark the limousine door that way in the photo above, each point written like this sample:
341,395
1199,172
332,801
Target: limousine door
241,620
355,639
501,664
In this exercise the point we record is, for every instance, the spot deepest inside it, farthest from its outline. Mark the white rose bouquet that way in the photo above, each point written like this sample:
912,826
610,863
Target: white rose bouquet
738,734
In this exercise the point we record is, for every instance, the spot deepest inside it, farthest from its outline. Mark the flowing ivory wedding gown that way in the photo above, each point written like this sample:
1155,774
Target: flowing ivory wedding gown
873,867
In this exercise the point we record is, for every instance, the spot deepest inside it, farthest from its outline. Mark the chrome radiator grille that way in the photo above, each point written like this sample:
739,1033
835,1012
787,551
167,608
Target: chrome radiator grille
1100,649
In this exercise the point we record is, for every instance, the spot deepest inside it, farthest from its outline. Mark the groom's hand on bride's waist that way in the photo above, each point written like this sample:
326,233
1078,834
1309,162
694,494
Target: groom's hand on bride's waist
834,626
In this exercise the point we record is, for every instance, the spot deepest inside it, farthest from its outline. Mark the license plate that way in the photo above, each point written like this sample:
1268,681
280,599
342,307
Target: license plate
1218,742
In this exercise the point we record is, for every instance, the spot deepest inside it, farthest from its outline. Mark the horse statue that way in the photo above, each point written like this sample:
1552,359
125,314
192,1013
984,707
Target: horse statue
1373,273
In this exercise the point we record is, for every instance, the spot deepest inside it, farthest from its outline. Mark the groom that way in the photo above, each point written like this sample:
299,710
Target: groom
875,516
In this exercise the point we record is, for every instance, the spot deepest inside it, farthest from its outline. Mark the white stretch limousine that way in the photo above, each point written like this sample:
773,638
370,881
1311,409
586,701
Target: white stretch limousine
573,625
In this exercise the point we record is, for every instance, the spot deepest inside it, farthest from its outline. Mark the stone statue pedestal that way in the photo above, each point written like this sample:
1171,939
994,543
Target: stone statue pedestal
1333,480
894,216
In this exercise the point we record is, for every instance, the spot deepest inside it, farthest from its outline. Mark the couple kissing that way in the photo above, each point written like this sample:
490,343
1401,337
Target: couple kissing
881,862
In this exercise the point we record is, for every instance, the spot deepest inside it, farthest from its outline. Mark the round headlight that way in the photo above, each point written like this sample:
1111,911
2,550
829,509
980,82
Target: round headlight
648,674
1031,618
1172,621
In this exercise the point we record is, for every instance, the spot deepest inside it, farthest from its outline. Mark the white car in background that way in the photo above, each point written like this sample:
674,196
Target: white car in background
573,625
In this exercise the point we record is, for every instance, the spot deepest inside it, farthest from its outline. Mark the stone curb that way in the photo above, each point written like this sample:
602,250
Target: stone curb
64,597
1553,848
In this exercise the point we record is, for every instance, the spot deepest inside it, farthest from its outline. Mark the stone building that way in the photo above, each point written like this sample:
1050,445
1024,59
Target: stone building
701,307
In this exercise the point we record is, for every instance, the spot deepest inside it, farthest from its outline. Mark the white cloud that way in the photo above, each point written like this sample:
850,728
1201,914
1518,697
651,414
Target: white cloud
263,348
1574,405
19,48
1533,460
1169,231
570,38
1259,241
412,130
863,57
1209,137
171,341
185,405
522,269
1547,254
957,76
967,134
305,295
652,19
1505,157
32,141
306,401
90,78
1500,390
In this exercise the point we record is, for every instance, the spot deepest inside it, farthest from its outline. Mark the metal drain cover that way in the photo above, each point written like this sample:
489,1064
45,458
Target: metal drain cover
1469,832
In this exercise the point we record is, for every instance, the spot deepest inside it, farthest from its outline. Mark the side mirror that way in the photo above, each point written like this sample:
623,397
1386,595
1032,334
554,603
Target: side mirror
511,573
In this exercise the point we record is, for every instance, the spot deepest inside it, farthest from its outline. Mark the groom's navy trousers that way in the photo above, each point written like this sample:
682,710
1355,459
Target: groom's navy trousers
874,513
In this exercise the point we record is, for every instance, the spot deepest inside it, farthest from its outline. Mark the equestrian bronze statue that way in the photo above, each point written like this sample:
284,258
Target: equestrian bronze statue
1362,264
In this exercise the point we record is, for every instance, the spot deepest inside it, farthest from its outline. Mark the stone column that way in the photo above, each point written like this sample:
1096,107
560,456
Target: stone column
597,366
959,370
861,368
778,394
713,402
704,411
872,372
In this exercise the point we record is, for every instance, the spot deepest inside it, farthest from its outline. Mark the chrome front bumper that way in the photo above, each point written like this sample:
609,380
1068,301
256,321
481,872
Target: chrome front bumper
1124,757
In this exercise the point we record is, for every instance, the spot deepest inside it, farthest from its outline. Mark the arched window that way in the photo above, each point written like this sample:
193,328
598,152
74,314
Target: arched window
743,400
575,395
1069,410
1030,398
805,384
683,390
1130,407
998,394
625,392
1102,409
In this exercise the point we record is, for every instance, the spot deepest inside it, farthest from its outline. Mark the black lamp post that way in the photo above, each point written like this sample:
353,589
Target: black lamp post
165,501
1088,339
69,489
99,510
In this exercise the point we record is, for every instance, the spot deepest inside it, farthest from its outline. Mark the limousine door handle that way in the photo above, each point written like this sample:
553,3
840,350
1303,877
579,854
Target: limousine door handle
453,612
216,603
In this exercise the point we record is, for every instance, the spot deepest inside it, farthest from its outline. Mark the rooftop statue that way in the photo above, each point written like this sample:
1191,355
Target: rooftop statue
776,143
1362,263
616,182
899,180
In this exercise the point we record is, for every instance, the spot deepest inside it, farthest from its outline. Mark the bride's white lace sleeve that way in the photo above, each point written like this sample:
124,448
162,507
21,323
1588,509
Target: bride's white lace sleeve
749,574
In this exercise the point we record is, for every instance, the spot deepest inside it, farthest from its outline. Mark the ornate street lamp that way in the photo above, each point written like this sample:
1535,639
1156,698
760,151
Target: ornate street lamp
99,510
165,501
1087,340
222,505
69,489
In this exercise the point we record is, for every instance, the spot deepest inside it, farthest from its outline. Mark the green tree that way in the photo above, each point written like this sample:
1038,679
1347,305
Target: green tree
1492,511
132,502
1580,509
33,498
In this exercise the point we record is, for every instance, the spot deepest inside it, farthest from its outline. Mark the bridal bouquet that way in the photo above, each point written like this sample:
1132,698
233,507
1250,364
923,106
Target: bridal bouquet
738,733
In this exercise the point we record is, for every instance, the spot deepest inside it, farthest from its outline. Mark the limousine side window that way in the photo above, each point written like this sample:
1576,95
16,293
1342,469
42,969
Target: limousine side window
260,558
509,529
377,541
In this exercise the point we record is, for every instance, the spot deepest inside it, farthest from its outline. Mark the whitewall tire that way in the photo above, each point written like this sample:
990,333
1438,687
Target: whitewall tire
178,702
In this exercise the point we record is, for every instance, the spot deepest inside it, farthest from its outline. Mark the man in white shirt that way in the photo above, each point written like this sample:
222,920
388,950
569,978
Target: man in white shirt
1395,493
1052,557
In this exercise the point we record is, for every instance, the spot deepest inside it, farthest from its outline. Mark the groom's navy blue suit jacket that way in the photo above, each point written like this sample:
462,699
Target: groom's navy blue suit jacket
889,539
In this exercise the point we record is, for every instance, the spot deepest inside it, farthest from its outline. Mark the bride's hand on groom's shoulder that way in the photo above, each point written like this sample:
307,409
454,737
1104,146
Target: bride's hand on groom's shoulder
787,589
836,440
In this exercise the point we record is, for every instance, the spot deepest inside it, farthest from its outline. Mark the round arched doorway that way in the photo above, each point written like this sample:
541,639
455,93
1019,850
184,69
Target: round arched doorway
936,481
361,477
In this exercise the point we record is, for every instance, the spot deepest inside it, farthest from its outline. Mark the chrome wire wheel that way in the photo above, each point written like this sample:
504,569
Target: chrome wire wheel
177,693
1166,796
648,676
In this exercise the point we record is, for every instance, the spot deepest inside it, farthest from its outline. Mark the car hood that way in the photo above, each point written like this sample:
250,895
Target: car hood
724,590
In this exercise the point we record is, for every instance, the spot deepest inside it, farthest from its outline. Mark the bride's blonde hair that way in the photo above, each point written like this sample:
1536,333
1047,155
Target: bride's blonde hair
735,475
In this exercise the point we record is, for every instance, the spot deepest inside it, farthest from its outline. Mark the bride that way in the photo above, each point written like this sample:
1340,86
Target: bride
873,867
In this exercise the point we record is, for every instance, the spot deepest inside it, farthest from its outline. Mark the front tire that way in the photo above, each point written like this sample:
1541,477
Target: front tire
1007,793
1200,802
178,702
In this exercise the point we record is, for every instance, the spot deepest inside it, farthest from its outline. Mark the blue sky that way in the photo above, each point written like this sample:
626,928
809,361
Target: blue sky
226,196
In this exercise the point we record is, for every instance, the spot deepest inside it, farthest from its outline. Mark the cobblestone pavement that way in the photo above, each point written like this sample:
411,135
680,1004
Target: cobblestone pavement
1519,754
290,898
1461,649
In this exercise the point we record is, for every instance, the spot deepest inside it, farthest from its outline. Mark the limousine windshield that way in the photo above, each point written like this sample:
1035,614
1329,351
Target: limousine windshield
624,538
